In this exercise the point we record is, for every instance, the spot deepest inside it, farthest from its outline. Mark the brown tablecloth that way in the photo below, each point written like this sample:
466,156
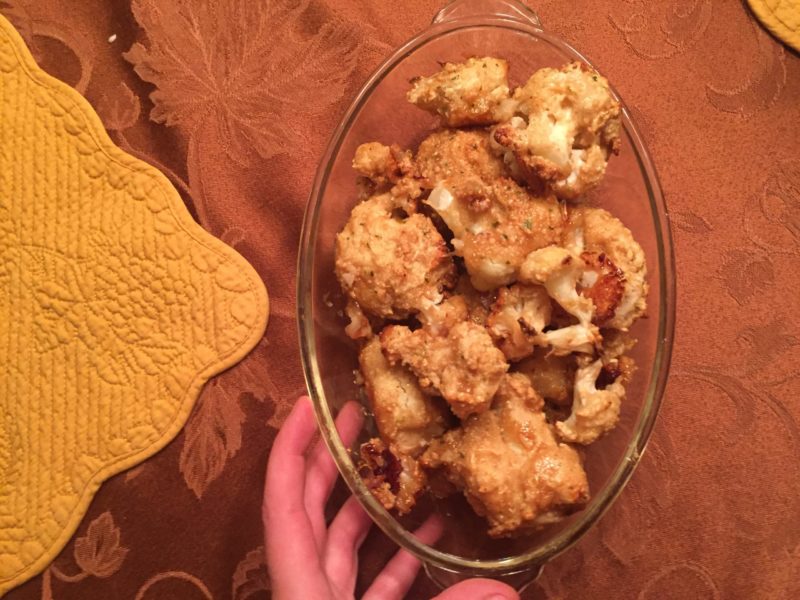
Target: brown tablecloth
235,100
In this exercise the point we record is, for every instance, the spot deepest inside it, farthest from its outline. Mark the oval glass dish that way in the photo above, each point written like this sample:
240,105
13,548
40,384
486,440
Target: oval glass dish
631,191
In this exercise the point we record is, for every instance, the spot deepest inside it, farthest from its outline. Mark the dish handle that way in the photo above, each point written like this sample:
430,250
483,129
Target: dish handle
506,9
518,579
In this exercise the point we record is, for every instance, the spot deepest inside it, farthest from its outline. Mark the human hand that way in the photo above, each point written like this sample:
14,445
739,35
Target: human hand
310,559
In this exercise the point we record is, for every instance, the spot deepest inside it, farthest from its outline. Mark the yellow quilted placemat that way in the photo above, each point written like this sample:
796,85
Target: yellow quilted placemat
781,17
115,308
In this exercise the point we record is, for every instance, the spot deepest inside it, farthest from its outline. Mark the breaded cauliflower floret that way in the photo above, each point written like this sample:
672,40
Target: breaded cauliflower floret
382,165
464,366
495,222
594,411
559,271
551,376
597,231
567,126
520,313
440,318
468,93
391,265
395,479
406,418
509,465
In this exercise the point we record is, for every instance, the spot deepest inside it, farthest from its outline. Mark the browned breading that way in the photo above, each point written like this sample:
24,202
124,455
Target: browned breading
464,367
509,465
550,375
597,231
495,222
603,283
392,265
406,418
566,127
468,93
383,165
396,480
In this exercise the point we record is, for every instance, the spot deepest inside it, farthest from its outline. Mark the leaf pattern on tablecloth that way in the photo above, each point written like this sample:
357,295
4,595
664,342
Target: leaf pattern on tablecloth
212,436
41,28
99,552
661,29
761,87
770,351
745,274
690,222
251,575
772,218
236,66
118,107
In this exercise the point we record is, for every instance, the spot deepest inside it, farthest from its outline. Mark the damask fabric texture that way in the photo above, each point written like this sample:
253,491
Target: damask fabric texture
234,101
115,308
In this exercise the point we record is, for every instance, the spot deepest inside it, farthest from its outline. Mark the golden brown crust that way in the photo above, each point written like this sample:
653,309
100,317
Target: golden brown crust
464,367
468,93
395,479
566,127
383,165
392,266
509,464
605,288
406,418
595,408
551,376
495,222
597,231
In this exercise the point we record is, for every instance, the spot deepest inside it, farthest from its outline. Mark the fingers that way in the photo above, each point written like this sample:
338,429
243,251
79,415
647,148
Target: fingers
321,472
345,536
478,589
289,537
394,581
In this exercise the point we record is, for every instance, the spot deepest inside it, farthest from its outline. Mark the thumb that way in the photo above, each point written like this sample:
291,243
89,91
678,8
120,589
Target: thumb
478,589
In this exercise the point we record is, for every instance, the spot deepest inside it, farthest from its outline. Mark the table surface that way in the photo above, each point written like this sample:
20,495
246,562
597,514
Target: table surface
235,100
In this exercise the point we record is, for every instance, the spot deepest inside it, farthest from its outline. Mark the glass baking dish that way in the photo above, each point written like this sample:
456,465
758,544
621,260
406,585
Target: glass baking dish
631,191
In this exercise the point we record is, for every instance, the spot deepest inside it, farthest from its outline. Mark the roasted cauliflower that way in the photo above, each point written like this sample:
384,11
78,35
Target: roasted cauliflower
468,93
519,315
406,418
495,222
395,479
550,375
598,232
492,315
392,265
594,411
381,167
463,366
509,465
559,271
566,126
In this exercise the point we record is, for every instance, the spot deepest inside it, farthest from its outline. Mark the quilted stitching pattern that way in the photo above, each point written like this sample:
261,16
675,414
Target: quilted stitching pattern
115,308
